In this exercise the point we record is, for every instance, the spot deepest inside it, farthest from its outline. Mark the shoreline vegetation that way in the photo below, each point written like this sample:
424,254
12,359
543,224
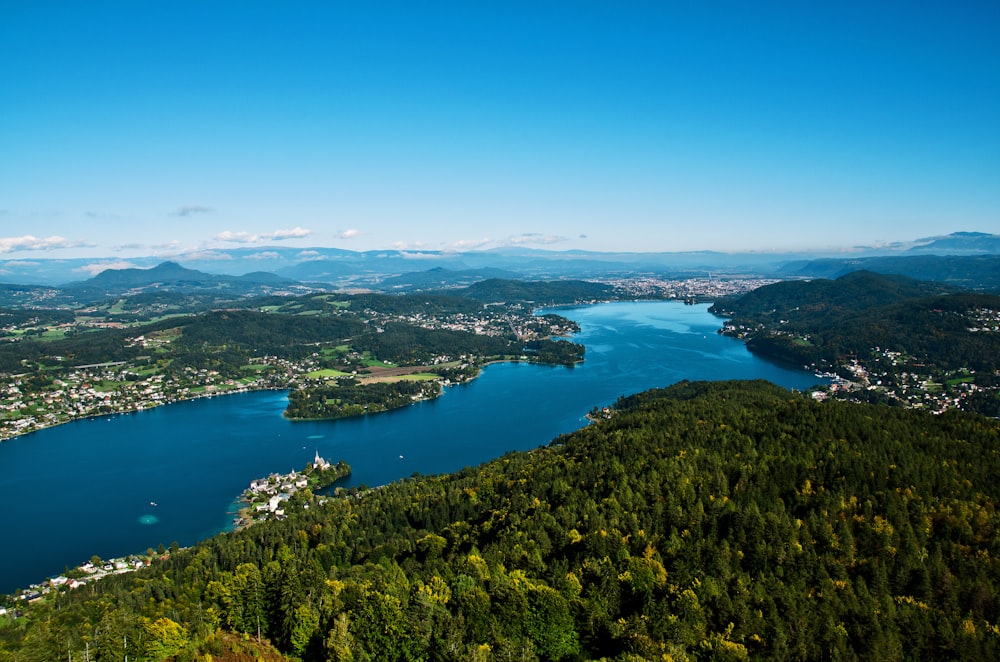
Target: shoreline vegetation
871,375
730,520
356,357
272,497
139,351
267,498
385,389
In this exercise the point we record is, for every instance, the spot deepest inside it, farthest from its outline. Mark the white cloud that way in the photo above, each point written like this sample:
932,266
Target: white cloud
10,266
169,246
349,233
191,210
265,255
403,246
21,263
97,267
535,238
251,238
294,233
206,255
31,243
102,216
422,256
128,247
237,237
469,244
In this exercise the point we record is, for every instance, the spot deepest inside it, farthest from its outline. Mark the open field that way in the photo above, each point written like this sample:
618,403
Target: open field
395,374
414,377
326,373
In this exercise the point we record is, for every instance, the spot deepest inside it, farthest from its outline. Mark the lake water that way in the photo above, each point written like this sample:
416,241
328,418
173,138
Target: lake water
87,487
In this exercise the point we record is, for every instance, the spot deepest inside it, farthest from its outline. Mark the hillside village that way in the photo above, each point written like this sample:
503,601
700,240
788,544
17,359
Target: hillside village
265,498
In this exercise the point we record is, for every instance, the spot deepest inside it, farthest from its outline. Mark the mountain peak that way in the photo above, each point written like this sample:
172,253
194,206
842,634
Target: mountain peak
959,243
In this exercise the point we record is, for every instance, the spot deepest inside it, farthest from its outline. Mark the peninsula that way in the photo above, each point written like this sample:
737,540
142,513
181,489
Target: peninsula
336,352
267,498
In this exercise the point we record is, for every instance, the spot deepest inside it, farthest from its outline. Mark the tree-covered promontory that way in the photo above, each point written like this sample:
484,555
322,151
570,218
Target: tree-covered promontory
703,521
140,352
899,340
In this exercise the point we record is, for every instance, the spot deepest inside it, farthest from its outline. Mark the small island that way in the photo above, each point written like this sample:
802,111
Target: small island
267,498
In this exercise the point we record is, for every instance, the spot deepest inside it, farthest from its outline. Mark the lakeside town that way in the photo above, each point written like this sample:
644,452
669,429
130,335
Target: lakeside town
53,393
265,498
894,376
43,398
50,392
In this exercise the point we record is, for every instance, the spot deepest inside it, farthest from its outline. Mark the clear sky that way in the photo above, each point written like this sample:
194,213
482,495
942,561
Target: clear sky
163,126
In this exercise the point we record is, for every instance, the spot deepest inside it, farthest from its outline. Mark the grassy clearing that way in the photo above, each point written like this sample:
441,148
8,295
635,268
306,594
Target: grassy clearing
389,379
165,316
334,352
326,298
53,334
326,373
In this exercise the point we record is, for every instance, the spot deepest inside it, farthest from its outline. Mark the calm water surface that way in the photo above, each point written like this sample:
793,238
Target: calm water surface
87,487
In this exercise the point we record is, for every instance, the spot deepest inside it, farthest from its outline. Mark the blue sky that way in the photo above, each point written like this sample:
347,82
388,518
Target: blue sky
169,127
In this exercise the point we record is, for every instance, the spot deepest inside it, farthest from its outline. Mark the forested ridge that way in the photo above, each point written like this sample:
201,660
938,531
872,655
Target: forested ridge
824,301
540,292
980,273
350,398
897,329
935,329
703,521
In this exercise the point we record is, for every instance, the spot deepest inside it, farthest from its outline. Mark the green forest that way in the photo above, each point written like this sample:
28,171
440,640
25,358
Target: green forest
705,521
350,398
820,322
890,323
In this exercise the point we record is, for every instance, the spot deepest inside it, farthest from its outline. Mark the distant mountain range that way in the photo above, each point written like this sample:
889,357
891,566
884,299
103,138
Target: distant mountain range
394,270
171,276
167,278
972,272
959,243
968,260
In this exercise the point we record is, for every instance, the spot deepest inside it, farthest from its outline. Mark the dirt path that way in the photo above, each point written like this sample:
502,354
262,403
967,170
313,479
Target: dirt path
386,374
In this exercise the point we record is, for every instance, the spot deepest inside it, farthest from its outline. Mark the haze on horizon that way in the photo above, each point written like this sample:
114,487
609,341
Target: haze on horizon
164,128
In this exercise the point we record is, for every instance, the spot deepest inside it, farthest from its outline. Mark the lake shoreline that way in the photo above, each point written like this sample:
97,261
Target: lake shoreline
193,459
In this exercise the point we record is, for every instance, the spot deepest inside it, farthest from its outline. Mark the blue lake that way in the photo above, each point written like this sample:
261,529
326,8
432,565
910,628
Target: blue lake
87,487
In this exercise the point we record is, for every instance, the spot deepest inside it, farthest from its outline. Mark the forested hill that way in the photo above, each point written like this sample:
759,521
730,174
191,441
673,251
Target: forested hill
539,292
704,521
980,273
892,326
822,301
